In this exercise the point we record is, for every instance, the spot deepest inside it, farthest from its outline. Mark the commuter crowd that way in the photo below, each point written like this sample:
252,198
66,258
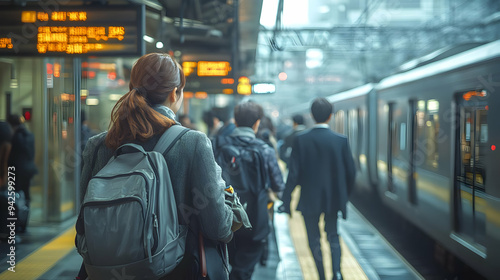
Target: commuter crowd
162,200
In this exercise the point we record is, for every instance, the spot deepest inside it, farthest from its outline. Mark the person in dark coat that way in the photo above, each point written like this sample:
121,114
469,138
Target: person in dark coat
5,147
286,147
22,155
322,164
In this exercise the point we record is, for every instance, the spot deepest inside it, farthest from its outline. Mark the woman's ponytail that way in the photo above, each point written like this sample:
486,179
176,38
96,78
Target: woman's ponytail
132,118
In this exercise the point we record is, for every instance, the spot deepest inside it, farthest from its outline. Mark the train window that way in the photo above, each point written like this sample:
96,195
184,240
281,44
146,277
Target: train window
473,146
361,129
402,138
339,122
427,131
353,131
432,127
394,130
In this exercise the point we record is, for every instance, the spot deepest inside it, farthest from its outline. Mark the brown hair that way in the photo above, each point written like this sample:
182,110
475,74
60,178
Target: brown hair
154,76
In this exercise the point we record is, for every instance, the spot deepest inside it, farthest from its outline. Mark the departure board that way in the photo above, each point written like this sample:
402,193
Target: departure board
72,31
207,68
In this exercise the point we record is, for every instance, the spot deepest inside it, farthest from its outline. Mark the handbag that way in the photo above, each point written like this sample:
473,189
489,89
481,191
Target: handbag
209,258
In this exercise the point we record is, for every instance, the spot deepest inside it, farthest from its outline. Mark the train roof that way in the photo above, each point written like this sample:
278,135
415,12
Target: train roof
469,57
437,56
352,93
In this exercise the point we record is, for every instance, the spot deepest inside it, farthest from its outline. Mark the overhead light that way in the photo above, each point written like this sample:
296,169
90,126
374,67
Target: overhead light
222,100
92,101
159,45
282,76
148,39
263,88
314,58
214,33
115,97
13,83
324,9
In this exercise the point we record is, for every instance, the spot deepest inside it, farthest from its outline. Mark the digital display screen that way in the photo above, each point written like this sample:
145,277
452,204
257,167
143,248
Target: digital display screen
208,72
75,30
207,68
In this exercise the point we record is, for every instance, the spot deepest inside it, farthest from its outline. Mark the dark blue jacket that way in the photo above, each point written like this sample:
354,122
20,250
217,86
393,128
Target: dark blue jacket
322,164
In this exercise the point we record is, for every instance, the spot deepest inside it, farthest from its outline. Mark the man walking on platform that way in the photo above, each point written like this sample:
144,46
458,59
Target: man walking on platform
322,164
251,167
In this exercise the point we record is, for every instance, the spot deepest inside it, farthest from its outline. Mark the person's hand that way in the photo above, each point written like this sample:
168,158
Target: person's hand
284,208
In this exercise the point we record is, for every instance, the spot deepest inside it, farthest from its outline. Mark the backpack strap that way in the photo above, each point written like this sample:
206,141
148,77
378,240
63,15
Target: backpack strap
169,137
259,150
218,141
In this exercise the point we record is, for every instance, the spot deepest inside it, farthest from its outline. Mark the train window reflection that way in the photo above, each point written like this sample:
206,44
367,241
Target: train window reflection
104,81
473,146
427,131
353,131
483,126
402,138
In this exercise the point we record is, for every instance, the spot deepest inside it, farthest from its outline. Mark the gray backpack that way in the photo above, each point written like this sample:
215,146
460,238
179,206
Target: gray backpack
128,225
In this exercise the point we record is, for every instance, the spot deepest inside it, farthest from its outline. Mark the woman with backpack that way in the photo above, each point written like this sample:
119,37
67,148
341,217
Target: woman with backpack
141,117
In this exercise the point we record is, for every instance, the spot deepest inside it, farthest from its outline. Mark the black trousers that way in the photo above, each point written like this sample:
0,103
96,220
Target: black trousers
313,236
243,256
23,182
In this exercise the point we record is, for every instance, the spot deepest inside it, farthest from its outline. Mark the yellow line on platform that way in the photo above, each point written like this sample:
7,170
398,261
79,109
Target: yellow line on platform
43,259
351,270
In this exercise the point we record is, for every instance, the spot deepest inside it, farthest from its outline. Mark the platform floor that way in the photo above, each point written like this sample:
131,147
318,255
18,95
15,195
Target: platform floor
48,253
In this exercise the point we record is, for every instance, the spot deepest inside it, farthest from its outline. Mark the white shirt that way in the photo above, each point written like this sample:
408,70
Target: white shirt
321,125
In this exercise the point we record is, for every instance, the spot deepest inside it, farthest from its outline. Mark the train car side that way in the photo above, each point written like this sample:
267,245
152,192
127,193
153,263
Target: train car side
427,142
435,149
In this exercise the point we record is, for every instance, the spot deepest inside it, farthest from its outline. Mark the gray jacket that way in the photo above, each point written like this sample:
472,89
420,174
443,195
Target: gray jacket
196,179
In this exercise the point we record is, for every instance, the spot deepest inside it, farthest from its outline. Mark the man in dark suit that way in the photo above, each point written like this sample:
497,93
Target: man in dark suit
322,164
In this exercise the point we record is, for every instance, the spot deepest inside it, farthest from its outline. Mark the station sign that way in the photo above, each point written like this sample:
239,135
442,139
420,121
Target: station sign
244,87
263,88
72,30
207,68
211,76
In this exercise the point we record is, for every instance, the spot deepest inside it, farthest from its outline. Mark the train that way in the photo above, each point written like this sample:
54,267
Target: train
426,141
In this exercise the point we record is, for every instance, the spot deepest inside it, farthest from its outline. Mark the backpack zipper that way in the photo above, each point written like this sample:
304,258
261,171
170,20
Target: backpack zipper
154,206
112,202
155,233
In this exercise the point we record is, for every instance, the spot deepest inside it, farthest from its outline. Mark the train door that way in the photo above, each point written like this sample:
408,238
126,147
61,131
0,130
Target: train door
471,143
398,149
